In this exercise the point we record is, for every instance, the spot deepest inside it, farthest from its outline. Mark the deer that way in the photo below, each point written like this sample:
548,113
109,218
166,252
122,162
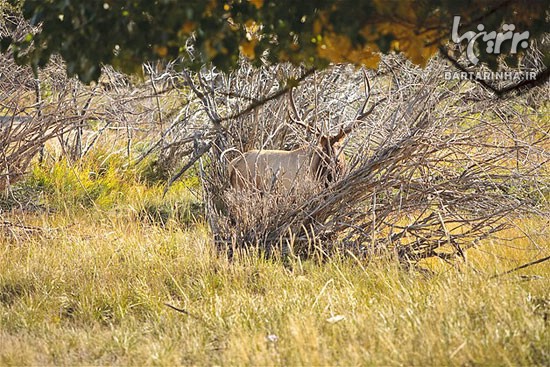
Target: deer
323,162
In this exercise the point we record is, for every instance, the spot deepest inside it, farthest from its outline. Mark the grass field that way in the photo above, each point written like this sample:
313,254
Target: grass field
85,277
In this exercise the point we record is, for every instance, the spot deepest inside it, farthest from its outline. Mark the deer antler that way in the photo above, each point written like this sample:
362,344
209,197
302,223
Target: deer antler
361,113
297,119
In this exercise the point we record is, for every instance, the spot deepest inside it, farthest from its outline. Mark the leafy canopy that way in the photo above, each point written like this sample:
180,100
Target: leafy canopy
125,33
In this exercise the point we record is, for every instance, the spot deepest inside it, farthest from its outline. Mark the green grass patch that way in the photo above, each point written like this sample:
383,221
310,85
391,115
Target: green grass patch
90,183
103,182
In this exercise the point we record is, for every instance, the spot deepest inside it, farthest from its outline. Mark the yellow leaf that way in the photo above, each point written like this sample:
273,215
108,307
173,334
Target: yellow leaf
413,47
317,26
394,45
252,28
212,4
338,48
161,51
367,58
257,3
188,27
334,47
210,50
247,48
429,51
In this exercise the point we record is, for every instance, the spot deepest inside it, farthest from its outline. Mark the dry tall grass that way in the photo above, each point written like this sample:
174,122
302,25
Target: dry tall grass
88,285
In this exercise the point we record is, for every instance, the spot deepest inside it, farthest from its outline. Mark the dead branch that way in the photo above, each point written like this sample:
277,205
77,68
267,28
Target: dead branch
535,262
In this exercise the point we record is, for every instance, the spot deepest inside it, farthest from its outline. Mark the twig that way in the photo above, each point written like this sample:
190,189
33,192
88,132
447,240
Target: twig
181,310
185,312
521,267
199,153
24,227
263,101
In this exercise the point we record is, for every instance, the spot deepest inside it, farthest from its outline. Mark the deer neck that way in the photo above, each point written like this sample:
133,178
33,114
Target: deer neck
318,163
317,159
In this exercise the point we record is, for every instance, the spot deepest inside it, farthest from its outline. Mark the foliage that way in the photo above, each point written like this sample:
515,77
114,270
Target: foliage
88,34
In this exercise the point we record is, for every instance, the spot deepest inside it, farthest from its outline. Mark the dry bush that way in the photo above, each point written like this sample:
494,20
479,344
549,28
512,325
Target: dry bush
435,168
33,110
60,117
26,123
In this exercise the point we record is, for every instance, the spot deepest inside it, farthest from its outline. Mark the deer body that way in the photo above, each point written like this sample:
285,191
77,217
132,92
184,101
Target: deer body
266,169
